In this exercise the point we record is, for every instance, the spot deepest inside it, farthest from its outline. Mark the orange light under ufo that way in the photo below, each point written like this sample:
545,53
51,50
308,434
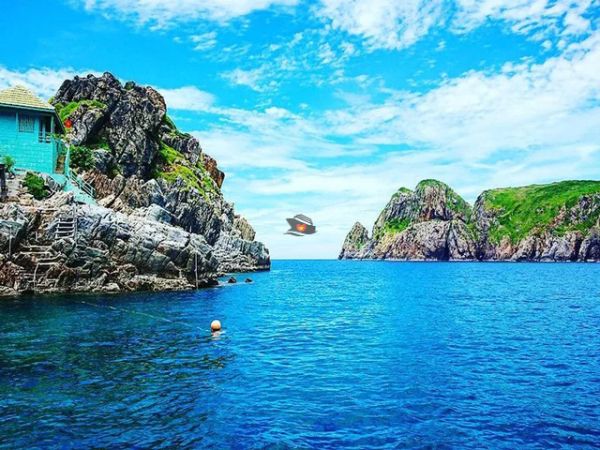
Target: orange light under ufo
300,227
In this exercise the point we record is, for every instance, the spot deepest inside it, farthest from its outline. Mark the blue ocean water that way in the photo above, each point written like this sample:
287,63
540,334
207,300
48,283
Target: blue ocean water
314,354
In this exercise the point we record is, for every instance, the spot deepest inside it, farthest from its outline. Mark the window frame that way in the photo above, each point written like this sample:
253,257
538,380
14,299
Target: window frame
24,119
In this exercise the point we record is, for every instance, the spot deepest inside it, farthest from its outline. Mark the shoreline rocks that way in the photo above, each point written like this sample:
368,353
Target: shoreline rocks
159,222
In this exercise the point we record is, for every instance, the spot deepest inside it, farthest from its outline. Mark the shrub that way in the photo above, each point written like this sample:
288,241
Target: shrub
82,158
169,122
35,186
64,111
9,163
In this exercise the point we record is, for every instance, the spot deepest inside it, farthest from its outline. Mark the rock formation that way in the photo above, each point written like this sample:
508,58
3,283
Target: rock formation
555,222
160,222
354,242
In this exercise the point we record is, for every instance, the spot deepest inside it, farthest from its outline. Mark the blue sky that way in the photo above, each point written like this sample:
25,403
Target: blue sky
327,107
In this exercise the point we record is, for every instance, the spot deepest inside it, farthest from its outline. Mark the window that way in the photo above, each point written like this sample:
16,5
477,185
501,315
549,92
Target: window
26,123
44,133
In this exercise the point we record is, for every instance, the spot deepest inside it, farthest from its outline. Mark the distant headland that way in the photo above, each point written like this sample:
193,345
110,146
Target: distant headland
552,222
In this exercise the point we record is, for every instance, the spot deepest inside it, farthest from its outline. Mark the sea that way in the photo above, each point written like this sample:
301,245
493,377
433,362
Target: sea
313,355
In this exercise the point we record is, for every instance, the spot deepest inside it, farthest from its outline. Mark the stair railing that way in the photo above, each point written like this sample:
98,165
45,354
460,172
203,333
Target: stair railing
35,275
84,186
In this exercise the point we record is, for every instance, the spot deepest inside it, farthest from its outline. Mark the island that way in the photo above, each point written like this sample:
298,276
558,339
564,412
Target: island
101,192
550,222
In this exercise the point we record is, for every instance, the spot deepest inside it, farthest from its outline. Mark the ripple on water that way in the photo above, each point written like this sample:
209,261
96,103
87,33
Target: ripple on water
314,354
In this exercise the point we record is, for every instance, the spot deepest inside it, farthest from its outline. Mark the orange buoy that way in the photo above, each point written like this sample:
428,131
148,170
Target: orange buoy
215,325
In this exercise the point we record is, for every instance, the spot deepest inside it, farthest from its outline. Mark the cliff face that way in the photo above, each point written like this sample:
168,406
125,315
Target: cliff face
161,221
556,222
354,242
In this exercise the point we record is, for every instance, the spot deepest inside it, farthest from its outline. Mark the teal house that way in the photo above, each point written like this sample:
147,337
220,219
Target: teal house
27,129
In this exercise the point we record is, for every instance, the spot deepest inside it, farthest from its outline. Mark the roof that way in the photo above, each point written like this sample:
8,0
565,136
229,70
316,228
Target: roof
21,97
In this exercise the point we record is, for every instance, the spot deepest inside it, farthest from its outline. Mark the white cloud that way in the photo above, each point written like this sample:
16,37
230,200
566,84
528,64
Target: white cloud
44,82
387,24
251,78
528,123
527,105
393,24
526,16
205,41
187,98
163,13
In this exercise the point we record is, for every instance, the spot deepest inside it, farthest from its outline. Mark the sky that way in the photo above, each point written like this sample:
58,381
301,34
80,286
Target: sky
327,107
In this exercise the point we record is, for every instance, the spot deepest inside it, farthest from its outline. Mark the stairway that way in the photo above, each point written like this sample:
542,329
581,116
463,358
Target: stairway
44,256
67,225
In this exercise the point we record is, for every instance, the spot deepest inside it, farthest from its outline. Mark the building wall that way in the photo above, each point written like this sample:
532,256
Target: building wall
24,147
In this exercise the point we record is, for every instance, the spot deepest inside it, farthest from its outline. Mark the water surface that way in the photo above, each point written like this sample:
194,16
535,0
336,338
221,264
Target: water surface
314,354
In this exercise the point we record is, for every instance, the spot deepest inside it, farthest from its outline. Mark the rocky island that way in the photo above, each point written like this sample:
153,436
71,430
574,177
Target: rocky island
150,214
553,222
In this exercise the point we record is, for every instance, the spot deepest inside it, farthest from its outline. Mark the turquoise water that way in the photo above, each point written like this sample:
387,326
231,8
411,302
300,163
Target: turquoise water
314,354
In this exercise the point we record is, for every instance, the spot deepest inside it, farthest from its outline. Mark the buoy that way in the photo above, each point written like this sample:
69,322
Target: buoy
215,325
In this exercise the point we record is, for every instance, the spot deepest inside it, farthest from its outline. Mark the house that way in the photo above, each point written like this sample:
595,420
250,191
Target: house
27,129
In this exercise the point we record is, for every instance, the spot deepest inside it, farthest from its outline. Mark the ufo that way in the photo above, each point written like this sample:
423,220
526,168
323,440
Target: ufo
301,225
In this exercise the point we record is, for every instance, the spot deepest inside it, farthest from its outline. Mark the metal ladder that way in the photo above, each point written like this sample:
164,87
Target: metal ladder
67,225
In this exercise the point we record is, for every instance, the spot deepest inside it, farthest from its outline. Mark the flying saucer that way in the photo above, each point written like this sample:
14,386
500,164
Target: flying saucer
301,225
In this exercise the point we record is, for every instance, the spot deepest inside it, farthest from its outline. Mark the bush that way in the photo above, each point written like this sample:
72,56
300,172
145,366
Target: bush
9,163
82,158
64,111
35,186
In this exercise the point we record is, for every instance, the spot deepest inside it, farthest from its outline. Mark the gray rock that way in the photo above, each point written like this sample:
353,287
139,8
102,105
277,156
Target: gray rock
127,177
355,242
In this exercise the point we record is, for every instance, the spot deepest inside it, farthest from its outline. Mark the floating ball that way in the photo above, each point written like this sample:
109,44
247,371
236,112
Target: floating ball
215,325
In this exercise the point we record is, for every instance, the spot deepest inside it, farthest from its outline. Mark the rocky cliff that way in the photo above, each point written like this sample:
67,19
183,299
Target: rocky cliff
160,220
555,222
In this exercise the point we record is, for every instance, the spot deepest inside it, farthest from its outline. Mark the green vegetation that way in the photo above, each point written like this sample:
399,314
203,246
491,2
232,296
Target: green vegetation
401,191
531,209
396,225
455,202
171,165
100,142
64,111
168,155
393,226
82,158
169,122
9,163
35,186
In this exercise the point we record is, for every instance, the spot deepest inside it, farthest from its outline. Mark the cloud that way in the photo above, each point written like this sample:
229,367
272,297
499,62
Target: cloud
44,82
539,17
392,24
254,78
389,24
188,98
478,114
528,123
205,41
161,13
